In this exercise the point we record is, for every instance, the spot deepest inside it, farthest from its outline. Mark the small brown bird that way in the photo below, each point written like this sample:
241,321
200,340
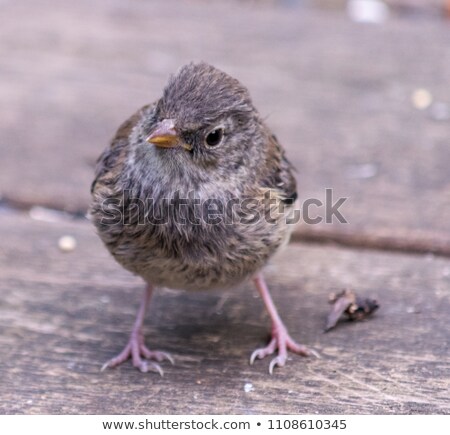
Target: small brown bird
195,193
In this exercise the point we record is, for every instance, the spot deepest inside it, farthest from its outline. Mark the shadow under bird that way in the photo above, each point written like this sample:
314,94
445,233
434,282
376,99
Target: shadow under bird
202,142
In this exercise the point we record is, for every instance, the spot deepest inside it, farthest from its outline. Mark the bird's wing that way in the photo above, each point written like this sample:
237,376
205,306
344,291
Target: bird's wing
279,172
109,159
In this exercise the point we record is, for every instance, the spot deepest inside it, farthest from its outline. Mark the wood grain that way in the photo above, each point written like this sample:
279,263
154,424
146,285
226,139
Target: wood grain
63,314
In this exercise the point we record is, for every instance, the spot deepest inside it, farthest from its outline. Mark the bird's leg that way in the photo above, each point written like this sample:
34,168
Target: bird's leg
281,339
136,349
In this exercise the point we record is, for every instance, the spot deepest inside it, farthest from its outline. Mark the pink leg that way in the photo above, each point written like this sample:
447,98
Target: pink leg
281,339
135,348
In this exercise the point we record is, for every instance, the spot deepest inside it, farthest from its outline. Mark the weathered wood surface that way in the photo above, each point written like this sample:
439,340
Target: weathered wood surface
338,95
63,314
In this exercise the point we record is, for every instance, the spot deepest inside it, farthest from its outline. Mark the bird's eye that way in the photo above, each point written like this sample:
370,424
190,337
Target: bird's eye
214,137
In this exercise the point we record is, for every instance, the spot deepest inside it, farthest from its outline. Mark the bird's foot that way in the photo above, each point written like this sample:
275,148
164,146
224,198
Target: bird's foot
281,341
140,355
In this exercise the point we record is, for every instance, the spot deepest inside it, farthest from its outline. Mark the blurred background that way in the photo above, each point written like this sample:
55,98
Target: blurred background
357,91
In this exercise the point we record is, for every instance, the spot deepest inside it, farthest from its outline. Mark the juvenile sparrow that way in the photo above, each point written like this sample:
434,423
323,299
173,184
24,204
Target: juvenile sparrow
195,193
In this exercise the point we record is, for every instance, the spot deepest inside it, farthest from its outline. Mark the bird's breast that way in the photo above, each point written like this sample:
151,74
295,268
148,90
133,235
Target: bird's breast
193,242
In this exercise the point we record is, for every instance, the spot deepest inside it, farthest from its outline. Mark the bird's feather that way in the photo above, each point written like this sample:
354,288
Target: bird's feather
278,174
109,160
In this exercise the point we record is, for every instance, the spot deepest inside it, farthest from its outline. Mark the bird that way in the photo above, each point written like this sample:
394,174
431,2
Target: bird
196,193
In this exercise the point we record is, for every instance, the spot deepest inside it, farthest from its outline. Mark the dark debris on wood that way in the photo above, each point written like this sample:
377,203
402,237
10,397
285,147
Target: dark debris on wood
349,303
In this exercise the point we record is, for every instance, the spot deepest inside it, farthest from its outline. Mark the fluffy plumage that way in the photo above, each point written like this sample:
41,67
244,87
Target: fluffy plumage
150,202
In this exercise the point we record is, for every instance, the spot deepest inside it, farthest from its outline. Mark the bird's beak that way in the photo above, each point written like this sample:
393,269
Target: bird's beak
164,135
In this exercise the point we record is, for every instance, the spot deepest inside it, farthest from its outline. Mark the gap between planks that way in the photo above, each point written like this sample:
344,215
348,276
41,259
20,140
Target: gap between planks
409,242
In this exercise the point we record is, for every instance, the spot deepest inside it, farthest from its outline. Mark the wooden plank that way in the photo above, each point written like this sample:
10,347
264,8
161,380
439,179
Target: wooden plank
339,100
63,314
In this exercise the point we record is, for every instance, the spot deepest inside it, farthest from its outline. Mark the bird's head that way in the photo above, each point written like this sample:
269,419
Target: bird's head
205,121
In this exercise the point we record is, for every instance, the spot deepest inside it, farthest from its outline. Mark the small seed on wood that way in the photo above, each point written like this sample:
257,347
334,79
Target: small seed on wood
67,243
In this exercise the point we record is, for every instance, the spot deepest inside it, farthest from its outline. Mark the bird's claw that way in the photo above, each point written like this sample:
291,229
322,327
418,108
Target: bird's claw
157,355
314,353
136,350
254,355
146,366
279,361
282,342
262,352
